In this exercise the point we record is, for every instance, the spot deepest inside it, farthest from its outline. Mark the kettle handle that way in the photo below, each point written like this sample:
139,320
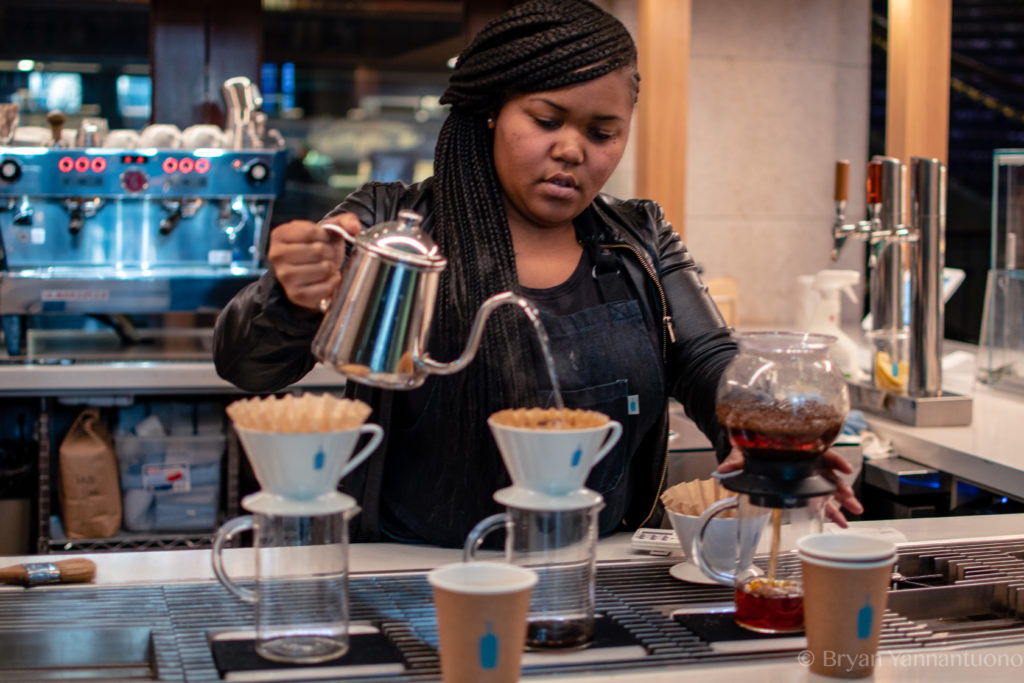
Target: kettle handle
325,303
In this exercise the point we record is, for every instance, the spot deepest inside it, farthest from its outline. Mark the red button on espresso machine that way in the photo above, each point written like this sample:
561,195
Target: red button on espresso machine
134,181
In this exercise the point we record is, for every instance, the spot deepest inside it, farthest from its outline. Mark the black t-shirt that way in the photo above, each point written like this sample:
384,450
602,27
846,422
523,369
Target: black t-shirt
575,294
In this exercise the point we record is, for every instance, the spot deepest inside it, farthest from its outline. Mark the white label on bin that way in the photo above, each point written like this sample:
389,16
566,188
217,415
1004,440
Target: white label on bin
176,478
219,257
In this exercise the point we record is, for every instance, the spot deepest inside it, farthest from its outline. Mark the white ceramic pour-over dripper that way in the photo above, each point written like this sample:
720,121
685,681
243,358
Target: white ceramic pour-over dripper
307,465
553,462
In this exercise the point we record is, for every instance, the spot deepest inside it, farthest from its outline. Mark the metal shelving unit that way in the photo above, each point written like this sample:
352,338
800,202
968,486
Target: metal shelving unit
51,540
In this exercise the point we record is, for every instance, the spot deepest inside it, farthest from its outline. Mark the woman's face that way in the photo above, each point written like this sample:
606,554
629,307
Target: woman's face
554,150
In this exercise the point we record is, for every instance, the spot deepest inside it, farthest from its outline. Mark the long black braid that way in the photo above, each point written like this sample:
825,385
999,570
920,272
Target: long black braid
536,46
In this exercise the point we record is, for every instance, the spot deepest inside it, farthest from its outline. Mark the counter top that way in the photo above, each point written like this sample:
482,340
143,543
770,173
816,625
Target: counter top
132,377
988,453
994,664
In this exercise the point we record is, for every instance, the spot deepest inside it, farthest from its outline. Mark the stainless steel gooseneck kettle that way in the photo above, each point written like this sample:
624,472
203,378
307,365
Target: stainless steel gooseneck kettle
377,323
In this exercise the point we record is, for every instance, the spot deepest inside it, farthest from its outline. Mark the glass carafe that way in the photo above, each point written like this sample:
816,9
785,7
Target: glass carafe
783,401
766,574
558,540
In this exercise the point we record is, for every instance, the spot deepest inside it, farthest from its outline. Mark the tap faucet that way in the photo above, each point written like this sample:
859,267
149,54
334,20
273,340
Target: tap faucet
841,230
905,258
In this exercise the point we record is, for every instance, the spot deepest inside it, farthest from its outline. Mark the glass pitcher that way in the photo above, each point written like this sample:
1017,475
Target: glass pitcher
766,577
300,557
558,540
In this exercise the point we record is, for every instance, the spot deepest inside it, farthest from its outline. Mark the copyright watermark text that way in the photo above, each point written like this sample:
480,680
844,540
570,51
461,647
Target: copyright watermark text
846,661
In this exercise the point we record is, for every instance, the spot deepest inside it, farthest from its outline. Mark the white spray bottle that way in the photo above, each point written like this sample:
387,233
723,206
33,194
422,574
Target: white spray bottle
825,317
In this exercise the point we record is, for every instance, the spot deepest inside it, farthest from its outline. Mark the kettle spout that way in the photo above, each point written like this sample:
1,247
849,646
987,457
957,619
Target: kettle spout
476,333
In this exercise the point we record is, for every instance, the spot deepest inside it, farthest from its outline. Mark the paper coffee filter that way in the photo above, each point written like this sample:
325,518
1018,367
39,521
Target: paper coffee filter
549,418
303,414
694,497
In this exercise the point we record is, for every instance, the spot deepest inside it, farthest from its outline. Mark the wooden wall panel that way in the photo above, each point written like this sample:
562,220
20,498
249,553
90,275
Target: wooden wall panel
194,46
917,91
663,41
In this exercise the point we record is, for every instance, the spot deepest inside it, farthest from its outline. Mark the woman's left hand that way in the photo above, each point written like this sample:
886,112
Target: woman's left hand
835,465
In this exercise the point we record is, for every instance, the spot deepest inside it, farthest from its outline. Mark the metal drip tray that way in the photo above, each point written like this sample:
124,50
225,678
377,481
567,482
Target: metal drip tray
112,653
963,614
166,632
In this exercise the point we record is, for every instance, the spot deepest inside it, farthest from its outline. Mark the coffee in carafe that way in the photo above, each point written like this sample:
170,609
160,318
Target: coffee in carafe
778,430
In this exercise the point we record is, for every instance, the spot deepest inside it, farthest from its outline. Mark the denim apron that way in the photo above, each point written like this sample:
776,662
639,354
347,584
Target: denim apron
606,360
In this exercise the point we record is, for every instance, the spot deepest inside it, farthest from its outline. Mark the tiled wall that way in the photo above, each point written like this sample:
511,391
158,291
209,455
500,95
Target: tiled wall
778,92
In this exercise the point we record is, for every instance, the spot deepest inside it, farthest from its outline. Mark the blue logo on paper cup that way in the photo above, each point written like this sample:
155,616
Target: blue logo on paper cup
865,616
318,460
488,649
577,455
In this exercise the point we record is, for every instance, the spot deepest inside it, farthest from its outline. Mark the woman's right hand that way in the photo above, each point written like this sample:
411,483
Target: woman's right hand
306,258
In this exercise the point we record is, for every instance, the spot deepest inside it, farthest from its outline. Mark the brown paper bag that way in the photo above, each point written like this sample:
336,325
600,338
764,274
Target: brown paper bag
90,495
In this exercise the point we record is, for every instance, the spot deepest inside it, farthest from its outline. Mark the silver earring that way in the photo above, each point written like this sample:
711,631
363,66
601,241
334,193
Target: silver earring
490,122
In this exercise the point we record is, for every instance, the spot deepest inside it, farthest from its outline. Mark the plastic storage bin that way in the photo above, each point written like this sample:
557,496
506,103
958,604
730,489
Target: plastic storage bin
170,483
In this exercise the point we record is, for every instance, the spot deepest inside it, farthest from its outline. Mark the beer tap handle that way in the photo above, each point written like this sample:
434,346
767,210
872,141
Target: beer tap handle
842,189
56,119
840,231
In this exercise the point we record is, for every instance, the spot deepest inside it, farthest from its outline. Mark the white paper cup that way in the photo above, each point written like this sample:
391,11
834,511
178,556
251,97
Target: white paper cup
303,466
481,620
846,582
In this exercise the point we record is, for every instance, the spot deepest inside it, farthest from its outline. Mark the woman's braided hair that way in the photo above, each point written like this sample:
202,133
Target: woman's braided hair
537,46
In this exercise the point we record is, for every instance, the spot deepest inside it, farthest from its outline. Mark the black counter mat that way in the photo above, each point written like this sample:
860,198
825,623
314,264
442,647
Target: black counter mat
720,630
365,649
368,649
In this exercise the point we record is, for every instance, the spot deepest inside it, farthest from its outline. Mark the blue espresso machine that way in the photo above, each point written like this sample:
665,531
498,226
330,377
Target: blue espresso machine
130,231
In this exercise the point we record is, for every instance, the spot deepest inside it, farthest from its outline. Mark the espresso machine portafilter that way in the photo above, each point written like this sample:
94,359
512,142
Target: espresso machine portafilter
905,262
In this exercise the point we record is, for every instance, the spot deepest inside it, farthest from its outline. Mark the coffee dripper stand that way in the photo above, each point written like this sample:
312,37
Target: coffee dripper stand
300,543
784,501
551,523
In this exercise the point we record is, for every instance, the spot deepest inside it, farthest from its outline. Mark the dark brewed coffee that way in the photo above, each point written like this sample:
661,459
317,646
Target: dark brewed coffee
552,634
780,430
770,606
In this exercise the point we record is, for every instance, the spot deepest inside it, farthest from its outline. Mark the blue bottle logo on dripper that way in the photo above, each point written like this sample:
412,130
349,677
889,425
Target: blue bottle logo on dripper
318,460
577,455
488,649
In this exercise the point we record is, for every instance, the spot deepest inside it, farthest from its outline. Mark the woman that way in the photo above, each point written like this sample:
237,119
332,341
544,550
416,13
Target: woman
541,105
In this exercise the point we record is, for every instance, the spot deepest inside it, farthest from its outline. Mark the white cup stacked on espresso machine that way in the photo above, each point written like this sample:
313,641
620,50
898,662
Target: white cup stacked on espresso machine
551,518
299,450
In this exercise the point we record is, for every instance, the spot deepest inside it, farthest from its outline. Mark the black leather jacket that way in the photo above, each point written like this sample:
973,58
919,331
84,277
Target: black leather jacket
262,341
